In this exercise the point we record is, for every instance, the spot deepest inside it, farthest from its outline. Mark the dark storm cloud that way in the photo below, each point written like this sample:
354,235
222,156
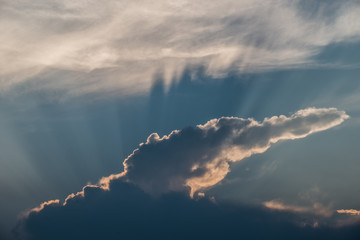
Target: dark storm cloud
126,212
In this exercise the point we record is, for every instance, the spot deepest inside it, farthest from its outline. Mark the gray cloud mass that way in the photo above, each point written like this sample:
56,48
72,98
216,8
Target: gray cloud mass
198,158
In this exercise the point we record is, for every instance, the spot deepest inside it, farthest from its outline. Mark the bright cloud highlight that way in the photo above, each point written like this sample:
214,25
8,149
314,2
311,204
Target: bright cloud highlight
349,211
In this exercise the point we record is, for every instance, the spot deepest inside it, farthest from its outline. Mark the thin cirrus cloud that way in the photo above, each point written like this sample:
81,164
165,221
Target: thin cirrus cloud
89,46
316,208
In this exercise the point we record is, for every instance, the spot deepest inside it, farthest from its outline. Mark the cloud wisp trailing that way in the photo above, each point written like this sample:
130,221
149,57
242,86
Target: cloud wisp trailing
77,46
353,212
316,208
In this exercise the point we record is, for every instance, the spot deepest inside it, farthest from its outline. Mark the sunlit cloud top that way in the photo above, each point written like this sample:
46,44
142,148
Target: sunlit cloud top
120,45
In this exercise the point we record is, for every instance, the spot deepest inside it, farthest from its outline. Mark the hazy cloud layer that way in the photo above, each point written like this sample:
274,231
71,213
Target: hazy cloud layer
199,157
87,46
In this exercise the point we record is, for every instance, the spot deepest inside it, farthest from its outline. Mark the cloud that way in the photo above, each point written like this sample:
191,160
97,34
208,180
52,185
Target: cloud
126,212
87,47
197,158
349,211
45,204
276,205
315,209
151,197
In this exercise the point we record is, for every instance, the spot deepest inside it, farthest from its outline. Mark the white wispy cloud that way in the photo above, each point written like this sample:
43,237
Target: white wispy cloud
349,211
315,209
119,45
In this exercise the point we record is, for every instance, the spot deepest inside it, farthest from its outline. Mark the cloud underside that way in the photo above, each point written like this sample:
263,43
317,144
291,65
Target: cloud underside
126,212
121,44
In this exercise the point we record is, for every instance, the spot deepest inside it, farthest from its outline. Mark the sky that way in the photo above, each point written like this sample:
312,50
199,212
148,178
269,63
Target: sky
179,120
